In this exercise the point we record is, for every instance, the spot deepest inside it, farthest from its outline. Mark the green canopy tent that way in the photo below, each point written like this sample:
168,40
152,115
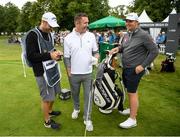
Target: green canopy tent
107,22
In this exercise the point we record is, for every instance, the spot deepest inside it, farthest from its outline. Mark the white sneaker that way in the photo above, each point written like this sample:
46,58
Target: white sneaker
75,114
125,112
89,125
129,123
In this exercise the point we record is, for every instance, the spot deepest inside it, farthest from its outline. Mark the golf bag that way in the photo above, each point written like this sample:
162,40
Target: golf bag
168,64
106,94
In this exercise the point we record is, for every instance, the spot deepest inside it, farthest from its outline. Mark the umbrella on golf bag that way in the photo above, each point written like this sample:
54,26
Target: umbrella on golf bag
106,94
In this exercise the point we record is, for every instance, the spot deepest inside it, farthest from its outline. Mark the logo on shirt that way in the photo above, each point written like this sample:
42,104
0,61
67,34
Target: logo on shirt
126,38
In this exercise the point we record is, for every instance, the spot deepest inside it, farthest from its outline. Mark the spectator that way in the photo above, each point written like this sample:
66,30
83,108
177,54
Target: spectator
163,38
101,38
158,40
111,37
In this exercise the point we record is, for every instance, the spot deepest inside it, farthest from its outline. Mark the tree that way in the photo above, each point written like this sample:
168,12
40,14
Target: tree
118,11
11,17
156,9
2,17
176,4
24,22
66,10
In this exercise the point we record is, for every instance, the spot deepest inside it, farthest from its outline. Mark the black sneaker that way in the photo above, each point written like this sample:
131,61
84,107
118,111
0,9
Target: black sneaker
52,124
54,113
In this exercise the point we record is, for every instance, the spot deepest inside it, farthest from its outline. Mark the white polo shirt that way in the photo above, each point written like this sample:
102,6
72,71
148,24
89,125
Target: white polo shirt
79,47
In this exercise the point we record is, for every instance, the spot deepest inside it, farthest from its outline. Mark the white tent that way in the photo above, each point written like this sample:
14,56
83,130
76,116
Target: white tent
172,12
144,18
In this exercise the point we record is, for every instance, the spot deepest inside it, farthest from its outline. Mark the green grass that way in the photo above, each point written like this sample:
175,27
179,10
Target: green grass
20,112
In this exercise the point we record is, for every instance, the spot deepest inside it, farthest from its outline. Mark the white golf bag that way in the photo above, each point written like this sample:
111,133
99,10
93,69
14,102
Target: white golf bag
107,95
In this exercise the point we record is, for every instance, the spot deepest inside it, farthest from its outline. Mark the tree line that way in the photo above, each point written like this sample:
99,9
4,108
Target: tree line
14,19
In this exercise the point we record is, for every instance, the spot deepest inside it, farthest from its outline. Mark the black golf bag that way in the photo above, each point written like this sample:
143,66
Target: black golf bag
107,95
168,64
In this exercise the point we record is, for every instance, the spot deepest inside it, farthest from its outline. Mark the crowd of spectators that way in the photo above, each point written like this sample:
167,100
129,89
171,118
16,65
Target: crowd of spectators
109,36
59,37
14,38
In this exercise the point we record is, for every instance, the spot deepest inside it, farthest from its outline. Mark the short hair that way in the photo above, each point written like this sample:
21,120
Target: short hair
78,16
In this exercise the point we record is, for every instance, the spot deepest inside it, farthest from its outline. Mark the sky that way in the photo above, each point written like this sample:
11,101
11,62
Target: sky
114,3
20,3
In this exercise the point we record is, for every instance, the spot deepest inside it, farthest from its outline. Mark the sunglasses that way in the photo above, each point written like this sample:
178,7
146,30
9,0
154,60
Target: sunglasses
130,21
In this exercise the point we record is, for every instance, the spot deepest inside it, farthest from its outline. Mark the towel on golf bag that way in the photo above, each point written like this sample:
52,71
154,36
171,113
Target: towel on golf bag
107,95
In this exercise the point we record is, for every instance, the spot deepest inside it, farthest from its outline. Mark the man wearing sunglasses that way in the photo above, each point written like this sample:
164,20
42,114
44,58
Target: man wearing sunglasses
138,51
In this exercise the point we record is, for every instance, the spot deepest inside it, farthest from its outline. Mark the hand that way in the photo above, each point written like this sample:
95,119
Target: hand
69,72
56,55
113,51
94,61
97,55
53,55
139,69
59,55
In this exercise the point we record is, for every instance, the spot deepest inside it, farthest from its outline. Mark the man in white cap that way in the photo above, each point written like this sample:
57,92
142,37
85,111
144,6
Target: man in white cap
138,51
42,55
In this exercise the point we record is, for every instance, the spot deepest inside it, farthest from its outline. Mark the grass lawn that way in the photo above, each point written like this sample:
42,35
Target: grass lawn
20,112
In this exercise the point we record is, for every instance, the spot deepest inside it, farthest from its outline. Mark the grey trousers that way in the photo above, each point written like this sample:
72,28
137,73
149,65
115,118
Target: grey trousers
86,80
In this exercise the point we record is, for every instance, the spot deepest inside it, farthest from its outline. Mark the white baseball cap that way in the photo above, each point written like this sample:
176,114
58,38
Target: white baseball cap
50,18
132,16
